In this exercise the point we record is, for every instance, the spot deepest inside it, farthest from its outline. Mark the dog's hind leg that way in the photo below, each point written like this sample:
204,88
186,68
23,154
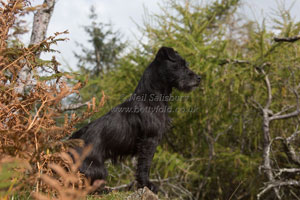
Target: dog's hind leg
94,169
146,150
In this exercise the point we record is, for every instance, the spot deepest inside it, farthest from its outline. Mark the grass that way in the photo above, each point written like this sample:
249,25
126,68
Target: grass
110,196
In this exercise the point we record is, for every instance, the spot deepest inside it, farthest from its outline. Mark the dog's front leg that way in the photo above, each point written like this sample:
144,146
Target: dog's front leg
146,150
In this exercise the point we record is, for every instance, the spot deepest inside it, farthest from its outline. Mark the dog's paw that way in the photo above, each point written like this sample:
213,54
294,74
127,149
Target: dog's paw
149,185
152,187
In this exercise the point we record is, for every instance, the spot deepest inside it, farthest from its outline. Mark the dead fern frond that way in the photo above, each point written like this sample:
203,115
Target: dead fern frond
70,185
32,124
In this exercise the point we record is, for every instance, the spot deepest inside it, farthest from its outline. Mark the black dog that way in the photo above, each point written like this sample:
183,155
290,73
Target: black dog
136,126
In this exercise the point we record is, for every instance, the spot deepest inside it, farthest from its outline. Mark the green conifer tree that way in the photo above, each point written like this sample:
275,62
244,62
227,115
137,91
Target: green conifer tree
106,47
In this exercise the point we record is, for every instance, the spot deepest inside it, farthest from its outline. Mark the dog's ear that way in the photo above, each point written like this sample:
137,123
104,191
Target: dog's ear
166,53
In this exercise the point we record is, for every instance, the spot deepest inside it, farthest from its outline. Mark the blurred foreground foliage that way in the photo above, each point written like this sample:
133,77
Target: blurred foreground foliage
31,95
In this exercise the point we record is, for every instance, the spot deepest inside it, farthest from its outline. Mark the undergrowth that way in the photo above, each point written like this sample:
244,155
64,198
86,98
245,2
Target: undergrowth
32,134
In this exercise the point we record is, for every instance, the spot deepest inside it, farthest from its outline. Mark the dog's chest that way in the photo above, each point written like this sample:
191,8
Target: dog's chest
155,124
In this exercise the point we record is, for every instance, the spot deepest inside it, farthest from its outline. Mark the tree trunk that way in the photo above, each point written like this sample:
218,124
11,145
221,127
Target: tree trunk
39,29
41,21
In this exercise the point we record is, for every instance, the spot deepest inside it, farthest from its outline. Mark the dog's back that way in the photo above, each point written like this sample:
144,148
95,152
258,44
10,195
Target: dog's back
114,134
78,134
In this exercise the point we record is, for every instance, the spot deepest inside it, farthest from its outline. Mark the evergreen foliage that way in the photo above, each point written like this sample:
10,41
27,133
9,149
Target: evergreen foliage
214,149
216,146
106,47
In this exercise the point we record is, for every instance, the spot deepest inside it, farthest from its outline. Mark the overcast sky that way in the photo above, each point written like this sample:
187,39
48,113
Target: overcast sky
71,15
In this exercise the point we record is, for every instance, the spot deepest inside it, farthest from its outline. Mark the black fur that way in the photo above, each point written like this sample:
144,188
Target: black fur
135,127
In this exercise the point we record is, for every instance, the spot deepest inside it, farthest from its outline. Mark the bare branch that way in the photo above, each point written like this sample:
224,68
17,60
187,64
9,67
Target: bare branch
287,39
164,180
292,154
285,109
287,170
74,106
285,116
267,137
291,114
228,60
293,136
290,151
269,89
256,105
128,185
278,184
222,133
234,61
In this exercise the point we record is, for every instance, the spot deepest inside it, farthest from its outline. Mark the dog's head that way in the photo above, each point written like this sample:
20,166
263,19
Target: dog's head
174,69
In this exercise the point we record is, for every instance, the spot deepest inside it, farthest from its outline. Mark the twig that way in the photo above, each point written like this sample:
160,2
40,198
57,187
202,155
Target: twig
295,195
234,61
278,184
128,185
36,115
285,109
74,106
287,39
287,170
293,136
182,190
256,105
236,189
163,180
291,114
268,84
285,116
290,151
